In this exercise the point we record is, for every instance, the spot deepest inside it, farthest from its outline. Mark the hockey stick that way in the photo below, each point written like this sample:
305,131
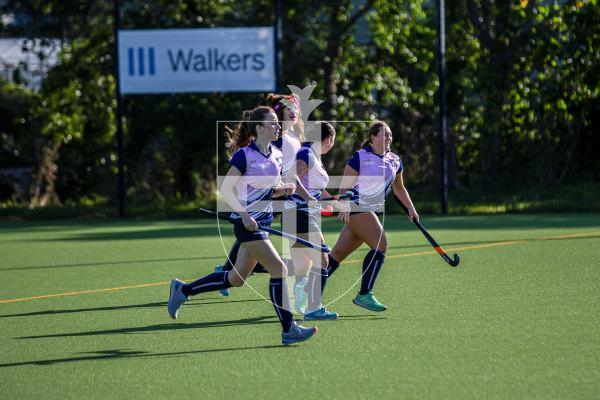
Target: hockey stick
453,262
323,248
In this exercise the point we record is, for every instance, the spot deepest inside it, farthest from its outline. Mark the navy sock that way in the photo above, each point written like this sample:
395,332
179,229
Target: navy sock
292,270
281,301
259,268
233,253
371,267
211,282
333,265
315,286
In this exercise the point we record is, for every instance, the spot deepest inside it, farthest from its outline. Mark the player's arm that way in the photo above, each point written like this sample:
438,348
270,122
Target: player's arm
348,181
231,179
283,189
300,168
402,194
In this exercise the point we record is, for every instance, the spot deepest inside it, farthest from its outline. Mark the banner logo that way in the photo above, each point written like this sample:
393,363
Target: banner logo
144,57
197,60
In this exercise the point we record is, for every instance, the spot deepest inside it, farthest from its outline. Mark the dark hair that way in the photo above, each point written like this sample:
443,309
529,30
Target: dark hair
277,103
374,131
241,135
322,129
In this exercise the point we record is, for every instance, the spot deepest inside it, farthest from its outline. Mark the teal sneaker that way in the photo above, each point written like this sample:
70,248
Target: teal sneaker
320,314
369,302
297,334
300,296
222,292
176,298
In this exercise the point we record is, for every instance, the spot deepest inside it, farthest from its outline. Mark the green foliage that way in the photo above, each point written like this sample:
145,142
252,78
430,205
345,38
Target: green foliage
18,126
522,93
533,79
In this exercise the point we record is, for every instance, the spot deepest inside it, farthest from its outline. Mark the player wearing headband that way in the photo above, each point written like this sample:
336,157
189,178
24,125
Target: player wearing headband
288,111
255,174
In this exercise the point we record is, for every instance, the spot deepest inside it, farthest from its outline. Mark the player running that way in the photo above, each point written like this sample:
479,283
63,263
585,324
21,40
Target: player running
302,218
288,111
255,173
371,174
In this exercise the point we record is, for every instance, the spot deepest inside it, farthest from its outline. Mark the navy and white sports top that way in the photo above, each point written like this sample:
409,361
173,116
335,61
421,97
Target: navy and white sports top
314,181
376,173
260,173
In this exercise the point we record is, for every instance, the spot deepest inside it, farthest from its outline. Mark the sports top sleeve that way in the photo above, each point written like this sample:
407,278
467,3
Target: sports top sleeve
278,143
304,155
355,162
239,161
400,166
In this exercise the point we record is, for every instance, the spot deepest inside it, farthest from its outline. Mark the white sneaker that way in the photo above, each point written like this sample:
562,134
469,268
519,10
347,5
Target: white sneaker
176,298
300,296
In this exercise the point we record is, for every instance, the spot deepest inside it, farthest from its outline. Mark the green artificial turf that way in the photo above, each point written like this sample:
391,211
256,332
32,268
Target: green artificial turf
519,318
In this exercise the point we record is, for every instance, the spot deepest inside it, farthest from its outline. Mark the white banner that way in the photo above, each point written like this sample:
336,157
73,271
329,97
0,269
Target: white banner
197,60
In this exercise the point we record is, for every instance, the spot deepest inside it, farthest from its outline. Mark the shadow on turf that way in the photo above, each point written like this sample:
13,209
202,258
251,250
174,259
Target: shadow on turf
178,326
117,354
161,233
496,222
164,327
166,260
159,304
359,317
110,263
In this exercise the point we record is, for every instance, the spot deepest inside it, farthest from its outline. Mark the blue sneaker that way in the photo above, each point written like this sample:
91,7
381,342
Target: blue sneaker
297,334
300,296
176,298
320,314
222,292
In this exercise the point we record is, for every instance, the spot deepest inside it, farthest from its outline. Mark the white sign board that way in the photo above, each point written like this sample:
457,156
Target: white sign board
197,60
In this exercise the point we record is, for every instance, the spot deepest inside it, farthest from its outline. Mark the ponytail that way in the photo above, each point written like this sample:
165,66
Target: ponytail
374,131
321,130
245,131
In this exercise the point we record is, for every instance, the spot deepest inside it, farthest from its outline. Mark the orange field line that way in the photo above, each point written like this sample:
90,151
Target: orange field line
85,292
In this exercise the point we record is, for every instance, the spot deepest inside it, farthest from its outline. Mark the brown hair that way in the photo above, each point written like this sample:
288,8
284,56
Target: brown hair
322,129
374,131
277,103
241,135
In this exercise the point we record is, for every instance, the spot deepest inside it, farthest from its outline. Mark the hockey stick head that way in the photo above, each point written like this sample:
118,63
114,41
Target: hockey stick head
454,262
451,261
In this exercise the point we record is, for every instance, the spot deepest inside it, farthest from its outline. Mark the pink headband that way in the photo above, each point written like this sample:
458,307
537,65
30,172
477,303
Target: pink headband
281,103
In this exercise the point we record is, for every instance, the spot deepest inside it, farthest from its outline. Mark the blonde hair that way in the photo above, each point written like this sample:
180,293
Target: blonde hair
278,103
